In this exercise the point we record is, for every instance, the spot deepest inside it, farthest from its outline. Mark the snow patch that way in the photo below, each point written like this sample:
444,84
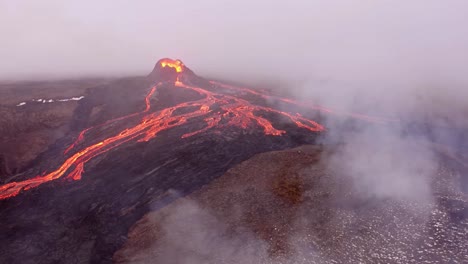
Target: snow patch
72,99
52,100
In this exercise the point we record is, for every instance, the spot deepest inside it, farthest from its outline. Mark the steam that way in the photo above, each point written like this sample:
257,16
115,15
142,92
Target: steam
191,234
187,232
383,163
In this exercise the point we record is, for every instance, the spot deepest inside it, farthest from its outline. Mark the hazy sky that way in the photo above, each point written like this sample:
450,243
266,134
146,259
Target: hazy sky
335,51
353,38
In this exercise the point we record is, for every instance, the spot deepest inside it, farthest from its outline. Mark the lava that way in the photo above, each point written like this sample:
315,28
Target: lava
217,110
306,105
82,133
175,64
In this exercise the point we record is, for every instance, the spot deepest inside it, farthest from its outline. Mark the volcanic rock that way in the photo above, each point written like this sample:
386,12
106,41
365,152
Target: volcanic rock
290,207
135,145
133,142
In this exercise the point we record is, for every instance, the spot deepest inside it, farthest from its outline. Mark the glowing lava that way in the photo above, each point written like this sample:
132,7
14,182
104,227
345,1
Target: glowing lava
175,64
217,110
311,106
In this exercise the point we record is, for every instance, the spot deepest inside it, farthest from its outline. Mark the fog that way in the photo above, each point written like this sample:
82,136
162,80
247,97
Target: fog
352,39
328,50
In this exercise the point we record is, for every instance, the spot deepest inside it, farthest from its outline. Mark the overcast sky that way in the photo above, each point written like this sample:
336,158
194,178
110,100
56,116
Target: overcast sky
63,38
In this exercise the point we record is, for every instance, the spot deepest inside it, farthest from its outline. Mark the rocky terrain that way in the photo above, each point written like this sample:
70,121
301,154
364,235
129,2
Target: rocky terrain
291,207
168,168
84,216
28,126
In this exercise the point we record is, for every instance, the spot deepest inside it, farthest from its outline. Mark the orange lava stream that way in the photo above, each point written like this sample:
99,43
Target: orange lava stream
305,105
82,133
231,111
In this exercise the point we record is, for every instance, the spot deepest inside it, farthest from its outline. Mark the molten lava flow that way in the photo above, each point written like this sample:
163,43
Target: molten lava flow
82,133
176,64
217,109
304,105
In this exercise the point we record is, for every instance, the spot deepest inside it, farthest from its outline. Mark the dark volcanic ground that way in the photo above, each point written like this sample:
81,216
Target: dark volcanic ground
27,130
88,220
290,206
83,221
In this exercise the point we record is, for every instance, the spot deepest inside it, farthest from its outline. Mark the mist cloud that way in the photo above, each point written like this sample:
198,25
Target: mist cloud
354,40
384,54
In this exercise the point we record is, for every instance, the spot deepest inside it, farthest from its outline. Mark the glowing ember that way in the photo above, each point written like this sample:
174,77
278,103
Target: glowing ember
231,111
176,64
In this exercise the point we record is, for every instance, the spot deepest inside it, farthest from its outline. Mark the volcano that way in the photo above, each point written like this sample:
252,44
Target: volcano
133,143
216,109
134,146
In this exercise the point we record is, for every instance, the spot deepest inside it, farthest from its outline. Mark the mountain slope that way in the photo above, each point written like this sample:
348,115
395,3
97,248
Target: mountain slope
136,140
290,206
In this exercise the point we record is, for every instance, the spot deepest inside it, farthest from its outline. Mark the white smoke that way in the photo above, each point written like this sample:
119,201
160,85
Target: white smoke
383,163
191,234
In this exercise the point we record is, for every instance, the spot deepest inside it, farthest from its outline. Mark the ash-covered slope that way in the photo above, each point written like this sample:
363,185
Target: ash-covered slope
138,144
289,206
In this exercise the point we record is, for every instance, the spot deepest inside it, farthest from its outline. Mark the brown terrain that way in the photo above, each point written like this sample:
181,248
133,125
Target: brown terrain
291,207
30,129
